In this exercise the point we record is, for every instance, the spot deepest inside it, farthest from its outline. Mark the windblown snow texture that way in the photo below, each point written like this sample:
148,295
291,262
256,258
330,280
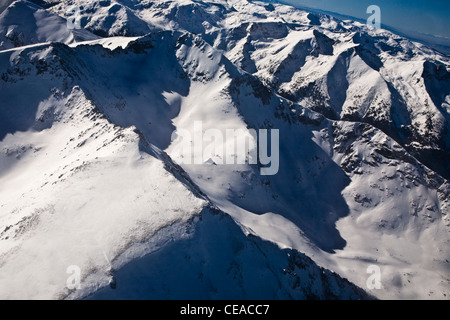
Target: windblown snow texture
89,176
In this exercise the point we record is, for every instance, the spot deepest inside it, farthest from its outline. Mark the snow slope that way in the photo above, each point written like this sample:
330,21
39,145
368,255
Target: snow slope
65,214
245,268
87,157
24,23
103,18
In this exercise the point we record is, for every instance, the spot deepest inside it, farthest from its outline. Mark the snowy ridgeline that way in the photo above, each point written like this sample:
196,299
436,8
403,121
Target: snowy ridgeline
89,177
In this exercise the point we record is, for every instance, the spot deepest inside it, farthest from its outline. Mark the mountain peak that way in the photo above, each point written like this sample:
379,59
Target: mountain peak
120,155
24,23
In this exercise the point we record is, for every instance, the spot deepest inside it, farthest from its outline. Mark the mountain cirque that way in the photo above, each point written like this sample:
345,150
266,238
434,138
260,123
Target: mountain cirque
89,177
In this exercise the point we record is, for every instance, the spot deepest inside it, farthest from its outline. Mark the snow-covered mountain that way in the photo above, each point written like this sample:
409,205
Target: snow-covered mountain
24,23
89,173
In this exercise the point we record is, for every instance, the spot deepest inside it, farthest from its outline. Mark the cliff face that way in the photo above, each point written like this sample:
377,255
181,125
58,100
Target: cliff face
90,176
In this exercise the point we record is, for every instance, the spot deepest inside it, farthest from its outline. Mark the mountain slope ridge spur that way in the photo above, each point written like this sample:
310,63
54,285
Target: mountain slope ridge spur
24,23
351,191
144,237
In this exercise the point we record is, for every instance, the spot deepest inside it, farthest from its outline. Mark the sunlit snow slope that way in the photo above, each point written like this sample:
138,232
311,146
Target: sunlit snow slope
24,23
90,177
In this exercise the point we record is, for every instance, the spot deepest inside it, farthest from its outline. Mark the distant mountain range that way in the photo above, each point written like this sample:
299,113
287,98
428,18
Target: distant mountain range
90,179
441,44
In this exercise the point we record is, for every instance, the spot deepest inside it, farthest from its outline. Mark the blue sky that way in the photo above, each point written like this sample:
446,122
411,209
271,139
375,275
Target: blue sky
424,16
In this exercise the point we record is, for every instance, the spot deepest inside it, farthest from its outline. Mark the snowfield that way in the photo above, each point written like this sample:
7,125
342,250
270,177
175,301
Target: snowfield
90,176
24,23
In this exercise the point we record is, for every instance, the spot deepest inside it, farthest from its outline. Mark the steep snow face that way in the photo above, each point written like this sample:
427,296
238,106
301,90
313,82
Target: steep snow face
77,190
5,4
348,72
357,111
24,23
333,176
341,69
245,268
103,18
80,191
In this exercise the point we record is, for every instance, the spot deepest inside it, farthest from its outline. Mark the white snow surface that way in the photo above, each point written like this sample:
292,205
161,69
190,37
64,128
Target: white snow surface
24,23
76,193
89,176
